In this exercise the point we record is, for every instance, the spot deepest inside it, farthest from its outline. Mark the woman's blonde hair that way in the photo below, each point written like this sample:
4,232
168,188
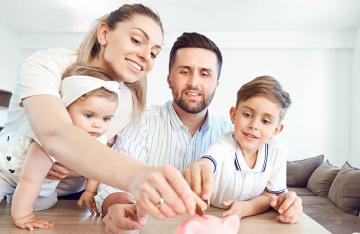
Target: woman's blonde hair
90,47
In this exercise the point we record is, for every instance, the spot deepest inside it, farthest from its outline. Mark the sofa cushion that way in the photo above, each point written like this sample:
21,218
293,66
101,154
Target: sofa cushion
321,179
345,190
323,211
301,191
299,172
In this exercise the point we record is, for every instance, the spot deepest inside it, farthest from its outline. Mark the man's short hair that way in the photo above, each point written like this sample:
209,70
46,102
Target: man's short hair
195,40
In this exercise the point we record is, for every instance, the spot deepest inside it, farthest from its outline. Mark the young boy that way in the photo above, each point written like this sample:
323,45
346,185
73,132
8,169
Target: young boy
91,100
249,166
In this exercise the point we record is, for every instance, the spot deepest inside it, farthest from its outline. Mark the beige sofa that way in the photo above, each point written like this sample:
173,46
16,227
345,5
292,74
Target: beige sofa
330,195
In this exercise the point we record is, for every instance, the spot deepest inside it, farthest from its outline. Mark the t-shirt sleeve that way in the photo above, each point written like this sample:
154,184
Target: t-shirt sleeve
123,112
40,74
277,181
215,153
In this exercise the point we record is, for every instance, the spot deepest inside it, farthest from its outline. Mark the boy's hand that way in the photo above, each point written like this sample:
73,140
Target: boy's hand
32,221
235,208
88,198
121,217
289,206
200,177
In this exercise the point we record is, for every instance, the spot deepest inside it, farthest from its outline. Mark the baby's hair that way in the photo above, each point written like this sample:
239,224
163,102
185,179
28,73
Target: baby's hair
78,69
267,87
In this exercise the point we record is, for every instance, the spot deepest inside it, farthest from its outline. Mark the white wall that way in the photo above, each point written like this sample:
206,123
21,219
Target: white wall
9,58
355,105
316,72
315,67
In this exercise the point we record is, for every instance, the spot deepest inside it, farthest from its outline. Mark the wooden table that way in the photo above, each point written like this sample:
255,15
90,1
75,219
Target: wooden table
70,219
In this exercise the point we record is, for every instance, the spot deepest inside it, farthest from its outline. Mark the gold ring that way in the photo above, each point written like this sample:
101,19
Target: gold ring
160,202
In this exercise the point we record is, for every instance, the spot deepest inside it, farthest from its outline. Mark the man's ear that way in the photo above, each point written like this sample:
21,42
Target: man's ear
278,129
168,80
232,114
102,33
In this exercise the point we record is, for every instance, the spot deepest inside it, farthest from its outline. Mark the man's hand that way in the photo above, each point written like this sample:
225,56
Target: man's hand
289,206
59,171
123,217
87,197
200,177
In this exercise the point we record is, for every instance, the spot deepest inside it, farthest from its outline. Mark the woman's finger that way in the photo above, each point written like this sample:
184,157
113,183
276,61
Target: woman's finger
178,184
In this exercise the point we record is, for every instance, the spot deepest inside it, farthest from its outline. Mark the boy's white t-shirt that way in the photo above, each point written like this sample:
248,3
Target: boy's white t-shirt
40,74
234,180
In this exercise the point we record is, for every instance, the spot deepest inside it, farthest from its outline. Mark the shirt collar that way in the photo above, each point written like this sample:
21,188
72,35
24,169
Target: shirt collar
261,158
174,118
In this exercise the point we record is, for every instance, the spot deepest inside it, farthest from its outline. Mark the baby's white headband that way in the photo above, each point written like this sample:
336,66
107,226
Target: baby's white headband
73,87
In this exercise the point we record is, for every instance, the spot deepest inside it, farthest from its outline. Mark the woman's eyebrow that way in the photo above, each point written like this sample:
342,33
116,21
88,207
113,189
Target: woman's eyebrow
145,35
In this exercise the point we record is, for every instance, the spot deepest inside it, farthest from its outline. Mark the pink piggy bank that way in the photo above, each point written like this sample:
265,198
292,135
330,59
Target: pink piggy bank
209,224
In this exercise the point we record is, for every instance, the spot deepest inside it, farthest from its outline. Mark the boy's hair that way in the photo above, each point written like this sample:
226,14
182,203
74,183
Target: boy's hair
78,69
268,87
195,40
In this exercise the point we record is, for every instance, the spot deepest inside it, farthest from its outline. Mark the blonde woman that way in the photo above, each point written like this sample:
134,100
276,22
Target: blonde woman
125,44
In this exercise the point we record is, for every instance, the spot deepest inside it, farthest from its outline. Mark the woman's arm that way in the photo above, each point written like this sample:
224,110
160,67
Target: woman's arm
82,153
72,146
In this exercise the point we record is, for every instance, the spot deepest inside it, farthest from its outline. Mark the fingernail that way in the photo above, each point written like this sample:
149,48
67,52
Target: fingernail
143,220
192,211
280,211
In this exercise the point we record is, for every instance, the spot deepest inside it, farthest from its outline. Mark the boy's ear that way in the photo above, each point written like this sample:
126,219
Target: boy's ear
232,114
278,129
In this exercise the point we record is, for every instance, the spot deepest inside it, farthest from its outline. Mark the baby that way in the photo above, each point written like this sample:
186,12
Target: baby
91,100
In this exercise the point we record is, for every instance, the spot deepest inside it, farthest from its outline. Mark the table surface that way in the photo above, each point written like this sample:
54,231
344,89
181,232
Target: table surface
70,219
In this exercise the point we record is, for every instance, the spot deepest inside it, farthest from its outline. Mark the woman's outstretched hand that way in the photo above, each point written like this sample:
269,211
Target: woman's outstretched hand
162,192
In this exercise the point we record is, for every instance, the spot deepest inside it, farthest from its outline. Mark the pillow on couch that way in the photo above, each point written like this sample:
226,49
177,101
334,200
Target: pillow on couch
298,172
345,190
321,179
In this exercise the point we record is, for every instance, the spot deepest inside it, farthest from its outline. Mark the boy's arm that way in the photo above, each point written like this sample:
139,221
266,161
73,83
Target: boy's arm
35,168
254,206
199,176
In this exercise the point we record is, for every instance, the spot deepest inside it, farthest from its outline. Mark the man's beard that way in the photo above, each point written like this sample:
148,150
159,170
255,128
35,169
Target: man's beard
192,107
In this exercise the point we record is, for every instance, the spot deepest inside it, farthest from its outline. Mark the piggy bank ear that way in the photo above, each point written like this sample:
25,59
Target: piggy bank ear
233,222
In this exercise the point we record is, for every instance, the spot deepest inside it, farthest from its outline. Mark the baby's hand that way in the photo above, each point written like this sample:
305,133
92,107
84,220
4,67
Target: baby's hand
32,221
234,208
88,198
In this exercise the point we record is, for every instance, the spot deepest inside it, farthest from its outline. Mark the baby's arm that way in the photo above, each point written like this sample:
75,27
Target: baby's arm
254,206
88,196
35,168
